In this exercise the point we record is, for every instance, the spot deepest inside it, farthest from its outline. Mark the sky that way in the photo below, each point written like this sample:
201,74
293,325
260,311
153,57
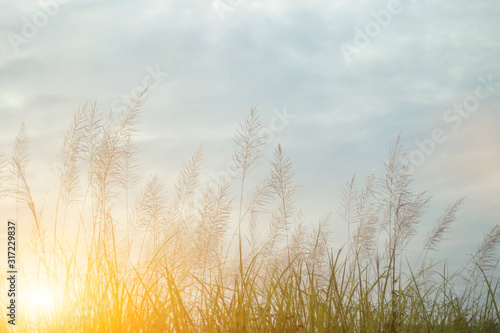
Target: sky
335,81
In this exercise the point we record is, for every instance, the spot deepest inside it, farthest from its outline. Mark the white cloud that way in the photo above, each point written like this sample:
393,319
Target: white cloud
277,54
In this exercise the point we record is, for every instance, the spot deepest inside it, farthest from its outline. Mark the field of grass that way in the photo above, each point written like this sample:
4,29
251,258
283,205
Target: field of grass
198,258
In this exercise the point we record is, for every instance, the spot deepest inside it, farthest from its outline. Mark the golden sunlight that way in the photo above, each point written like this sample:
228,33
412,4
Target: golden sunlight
37,300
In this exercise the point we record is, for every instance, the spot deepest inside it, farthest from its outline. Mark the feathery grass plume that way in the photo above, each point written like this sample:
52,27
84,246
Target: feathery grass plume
426,274
441,226
3,173
298,237
71,150
105,175
129,176
150,213
348,198
18,166
93,122
128,166
394,188
69,174
366,216
401,209
111,148
92,128
259,198
178,214
253,236
129,120
284,189
249,145
189,178
408,216
318,247
212,223
486,256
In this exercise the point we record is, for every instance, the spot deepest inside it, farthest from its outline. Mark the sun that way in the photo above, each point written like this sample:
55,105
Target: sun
37,300
39,297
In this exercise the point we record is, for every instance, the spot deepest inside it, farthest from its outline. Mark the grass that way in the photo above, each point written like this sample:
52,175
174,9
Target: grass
171,261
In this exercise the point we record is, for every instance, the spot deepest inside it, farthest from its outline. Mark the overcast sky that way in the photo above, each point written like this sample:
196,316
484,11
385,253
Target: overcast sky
346,78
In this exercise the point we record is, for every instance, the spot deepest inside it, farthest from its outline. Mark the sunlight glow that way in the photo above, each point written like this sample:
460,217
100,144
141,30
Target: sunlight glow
38,300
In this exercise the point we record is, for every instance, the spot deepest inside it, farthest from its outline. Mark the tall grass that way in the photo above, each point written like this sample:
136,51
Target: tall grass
169,261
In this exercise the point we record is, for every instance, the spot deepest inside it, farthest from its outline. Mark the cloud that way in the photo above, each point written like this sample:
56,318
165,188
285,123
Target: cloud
277,54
